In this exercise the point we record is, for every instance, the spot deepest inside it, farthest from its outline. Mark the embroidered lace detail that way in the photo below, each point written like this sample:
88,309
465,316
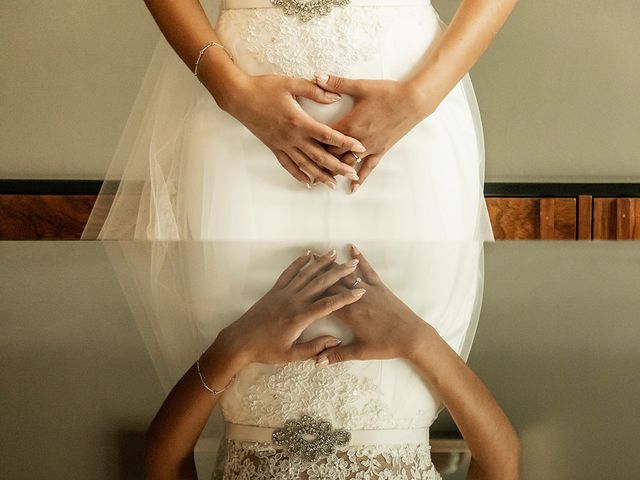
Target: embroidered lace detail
331,43
262,461
333,392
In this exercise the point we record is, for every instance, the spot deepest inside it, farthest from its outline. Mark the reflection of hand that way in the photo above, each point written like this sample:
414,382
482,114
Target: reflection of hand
269,330
383,112
383,326
268,107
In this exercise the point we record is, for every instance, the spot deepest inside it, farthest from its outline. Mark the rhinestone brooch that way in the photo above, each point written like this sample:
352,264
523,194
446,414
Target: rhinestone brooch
306,10
310,438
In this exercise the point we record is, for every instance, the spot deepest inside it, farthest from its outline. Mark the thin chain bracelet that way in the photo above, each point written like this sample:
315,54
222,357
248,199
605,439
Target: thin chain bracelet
204,49
204,384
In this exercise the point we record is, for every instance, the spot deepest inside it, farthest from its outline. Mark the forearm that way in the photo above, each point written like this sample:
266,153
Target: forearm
471,31
178,424
187,29
491,438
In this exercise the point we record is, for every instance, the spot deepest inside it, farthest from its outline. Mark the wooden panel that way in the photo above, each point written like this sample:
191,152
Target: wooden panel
529,218
585,217
44,217
48,217
616,218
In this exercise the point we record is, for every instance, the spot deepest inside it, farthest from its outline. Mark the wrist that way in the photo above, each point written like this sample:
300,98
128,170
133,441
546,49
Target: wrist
421,96
222,78
223,359
421,343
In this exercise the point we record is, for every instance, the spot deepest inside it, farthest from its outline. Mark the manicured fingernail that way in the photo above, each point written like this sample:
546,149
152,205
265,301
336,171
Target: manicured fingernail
321,77
352,263
307,184
358,147
355,187
358,292
330,184
333,96
334,342
353,176
307,253
355,250
322,361
330,253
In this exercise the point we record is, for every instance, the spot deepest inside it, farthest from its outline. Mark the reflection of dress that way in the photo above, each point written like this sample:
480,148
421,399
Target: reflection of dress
192,290
192,171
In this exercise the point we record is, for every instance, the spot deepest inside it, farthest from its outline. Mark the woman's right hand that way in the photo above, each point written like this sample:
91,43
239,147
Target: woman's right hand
269,330
267,106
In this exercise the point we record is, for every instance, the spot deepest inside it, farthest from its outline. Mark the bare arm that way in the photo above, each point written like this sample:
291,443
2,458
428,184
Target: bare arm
491,438
397,106
385,327
267,333
266,104
187,29
471,31
182,417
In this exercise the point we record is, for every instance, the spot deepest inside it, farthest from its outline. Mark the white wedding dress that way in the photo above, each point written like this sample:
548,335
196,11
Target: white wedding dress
183,293
185,169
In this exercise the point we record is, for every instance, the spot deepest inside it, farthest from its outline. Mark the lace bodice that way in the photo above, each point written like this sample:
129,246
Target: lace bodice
350,395
281,44
255,461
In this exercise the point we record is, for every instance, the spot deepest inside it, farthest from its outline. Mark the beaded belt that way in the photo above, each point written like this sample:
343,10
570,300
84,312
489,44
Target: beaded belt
312,438
308,9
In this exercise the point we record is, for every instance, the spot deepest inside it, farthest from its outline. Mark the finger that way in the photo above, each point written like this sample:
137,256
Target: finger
368,164
329,136
321,282
318,154
368,273
292,270
342,353
337,84
304,276
306,88
351,158
303,162
327,305
306,350
335,151
353,280
291,167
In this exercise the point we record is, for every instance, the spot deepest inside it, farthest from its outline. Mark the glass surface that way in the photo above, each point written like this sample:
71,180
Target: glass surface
557,343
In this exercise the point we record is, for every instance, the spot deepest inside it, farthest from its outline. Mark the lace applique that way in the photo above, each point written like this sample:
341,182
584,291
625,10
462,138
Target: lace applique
333,392
331,43
258,461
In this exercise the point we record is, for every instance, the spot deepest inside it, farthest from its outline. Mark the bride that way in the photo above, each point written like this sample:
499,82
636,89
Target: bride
360,113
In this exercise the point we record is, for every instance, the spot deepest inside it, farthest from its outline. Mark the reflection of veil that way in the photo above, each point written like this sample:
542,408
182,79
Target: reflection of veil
183,293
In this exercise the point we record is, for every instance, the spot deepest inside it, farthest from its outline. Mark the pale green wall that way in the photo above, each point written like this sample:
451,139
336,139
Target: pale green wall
557,90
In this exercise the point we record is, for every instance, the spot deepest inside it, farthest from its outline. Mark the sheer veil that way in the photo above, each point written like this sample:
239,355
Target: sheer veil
138,197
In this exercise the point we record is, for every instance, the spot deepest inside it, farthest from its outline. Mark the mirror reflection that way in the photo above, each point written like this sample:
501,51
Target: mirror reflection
96,336
320,359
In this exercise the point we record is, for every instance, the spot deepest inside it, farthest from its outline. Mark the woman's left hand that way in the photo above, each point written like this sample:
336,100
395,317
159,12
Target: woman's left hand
383,326
383,112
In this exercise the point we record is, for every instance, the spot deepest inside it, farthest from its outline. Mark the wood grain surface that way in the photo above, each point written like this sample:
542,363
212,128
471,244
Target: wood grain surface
62,217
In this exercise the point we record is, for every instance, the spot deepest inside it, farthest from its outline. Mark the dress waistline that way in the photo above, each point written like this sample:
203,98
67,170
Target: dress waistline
252,433
230,4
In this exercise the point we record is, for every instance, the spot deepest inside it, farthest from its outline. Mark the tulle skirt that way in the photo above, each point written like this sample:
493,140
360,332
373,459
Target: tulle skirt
185,169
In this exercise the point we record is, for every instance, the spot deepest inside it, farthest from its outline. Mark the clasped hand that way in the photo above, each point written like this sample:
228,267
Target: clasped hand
312,152
310,288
